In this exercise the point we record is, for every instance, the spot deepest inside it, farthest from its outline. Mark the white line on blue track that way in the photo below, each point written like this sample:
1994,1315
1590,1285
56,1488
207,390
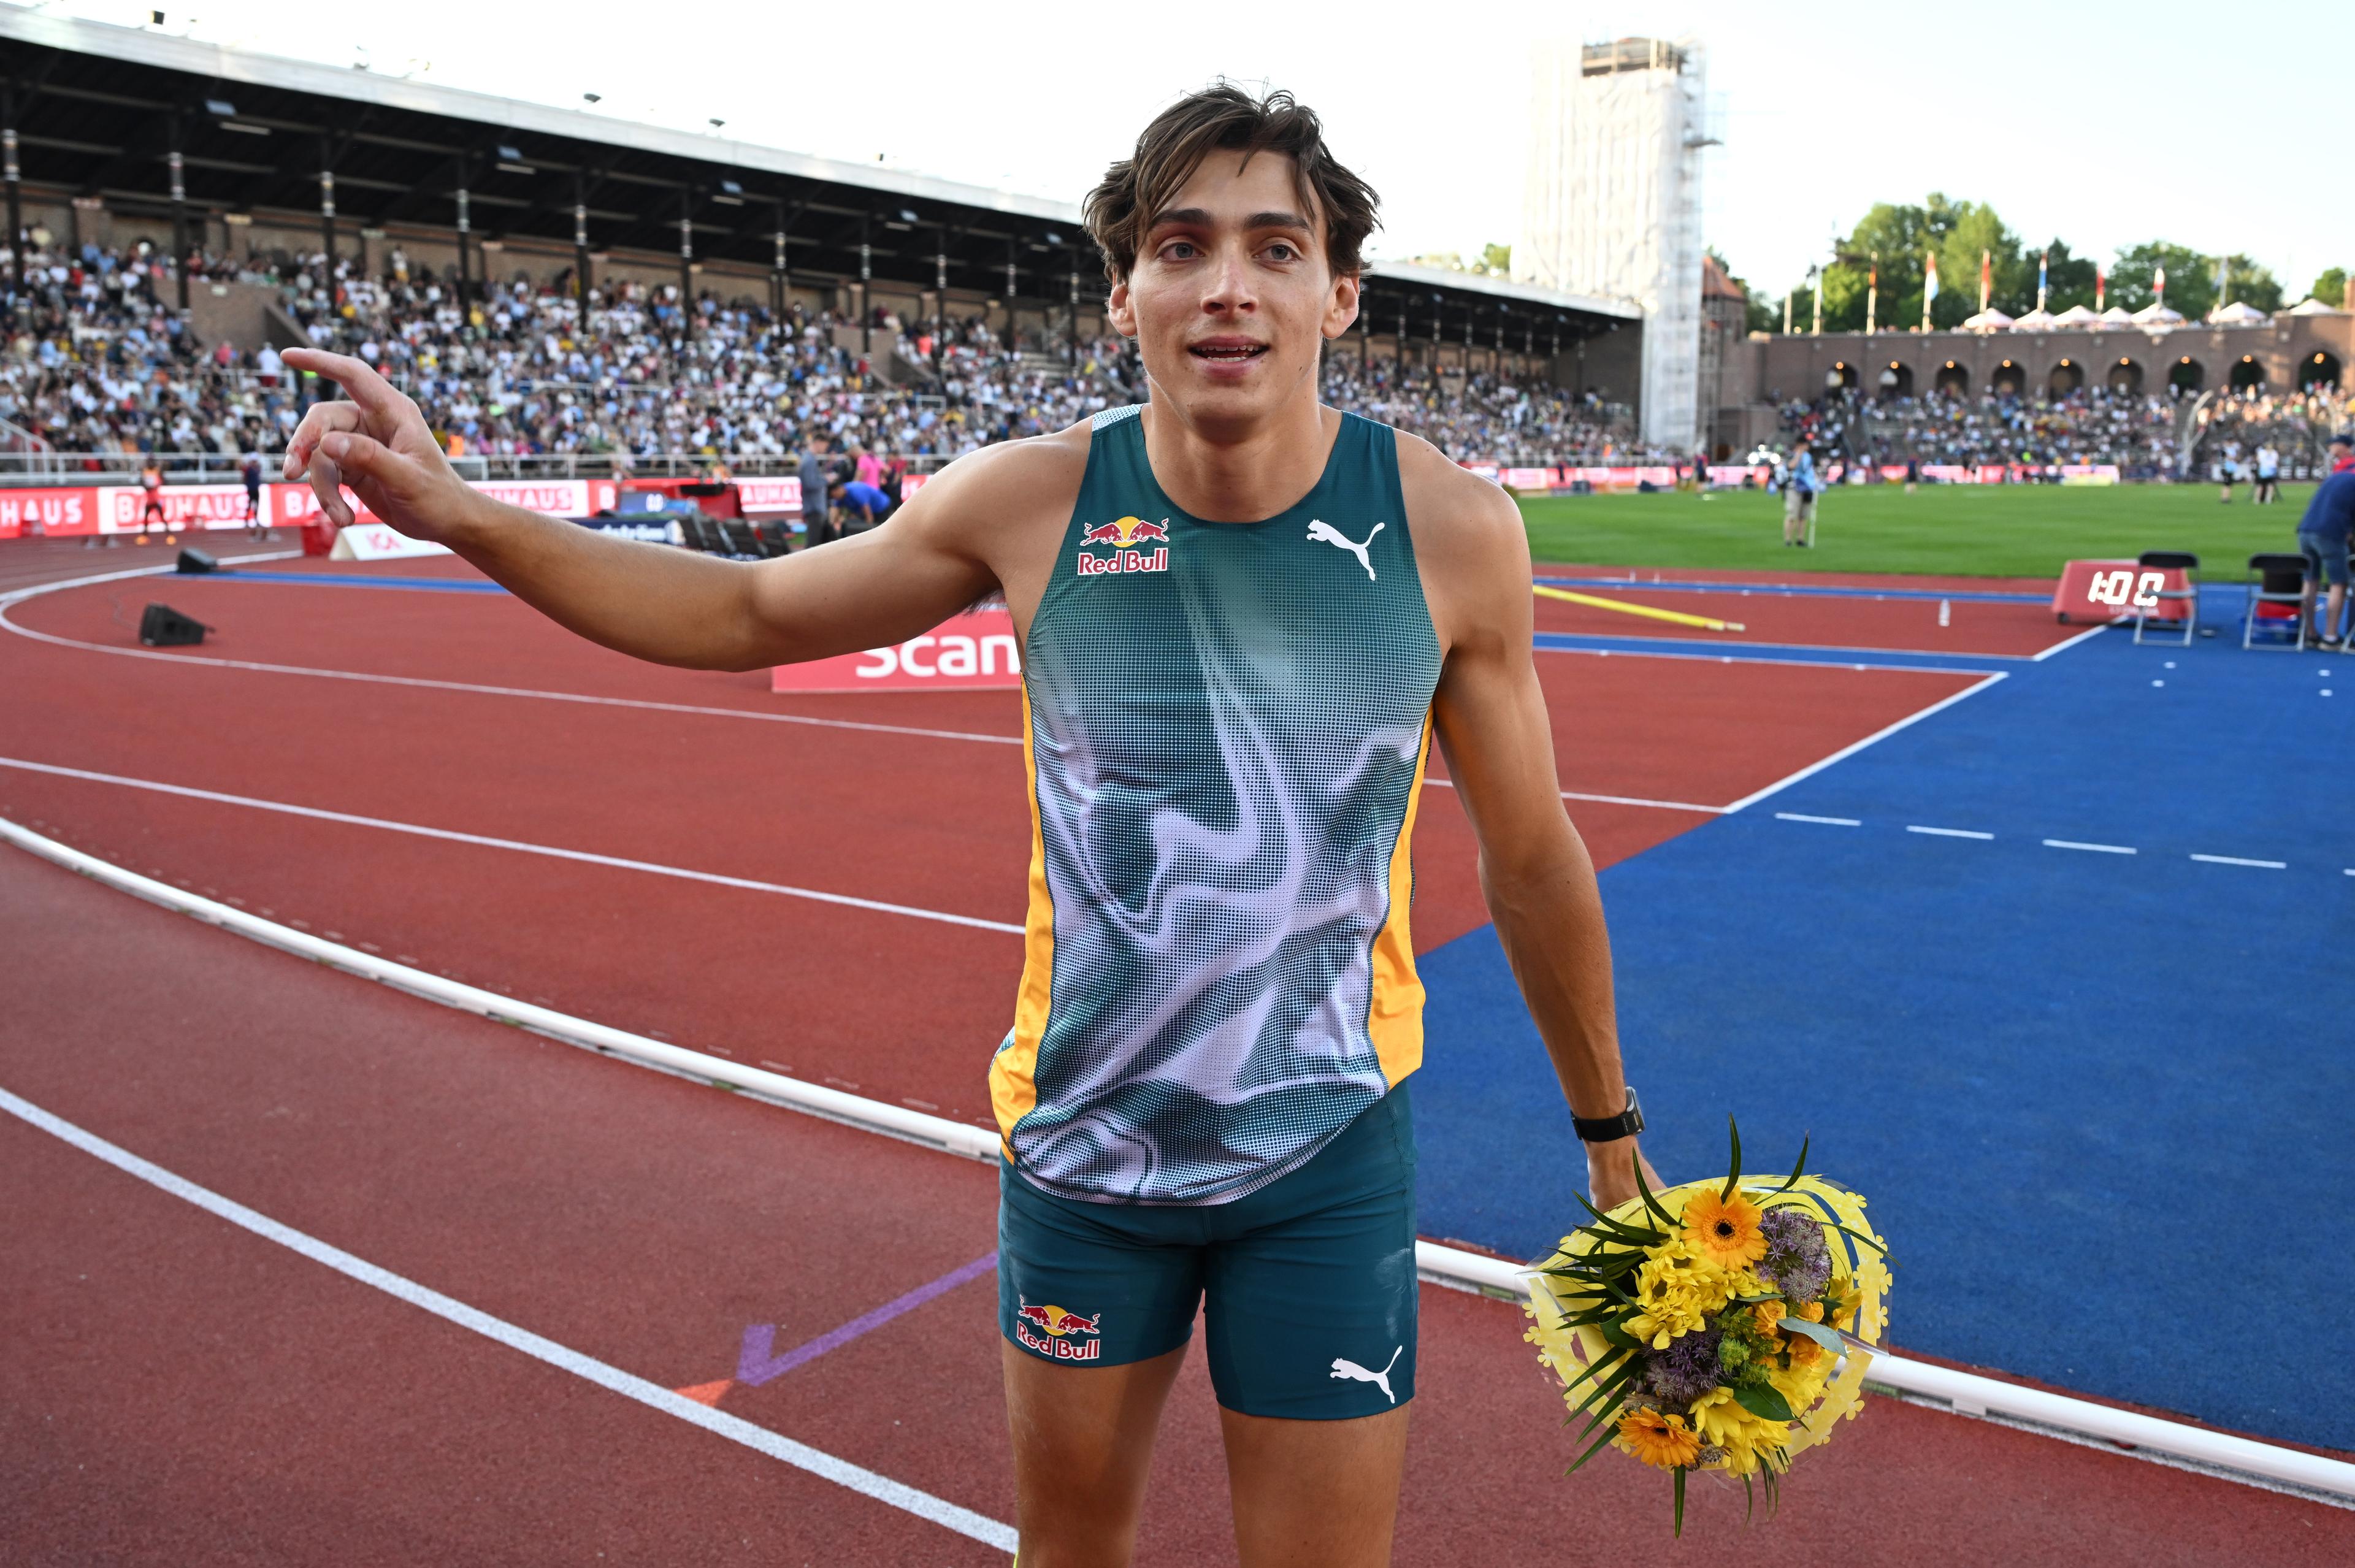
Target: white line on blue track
1947,832
2096,849
1827,821
2237,860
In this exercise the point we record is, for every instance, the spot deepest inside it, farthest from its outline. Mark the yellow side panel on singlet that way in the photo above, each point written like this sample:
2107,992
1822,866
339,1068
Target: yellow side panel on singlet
1013,1071
1394,1020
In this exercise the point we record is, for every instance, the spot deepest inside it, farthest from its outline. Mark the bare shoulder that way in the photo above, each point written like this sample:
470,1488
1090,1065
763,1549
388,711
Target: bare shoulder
1469,544
1005,490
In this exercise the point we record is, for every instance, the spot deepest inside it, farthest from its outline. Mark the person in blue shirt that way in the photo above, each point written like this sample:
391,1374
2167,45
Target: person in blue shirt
2322,539
1799,488
862,505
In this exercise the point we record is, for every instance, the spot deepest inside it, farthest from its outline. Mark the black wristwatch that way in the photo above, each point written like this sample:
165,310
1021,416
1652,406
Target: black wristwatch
1603,1129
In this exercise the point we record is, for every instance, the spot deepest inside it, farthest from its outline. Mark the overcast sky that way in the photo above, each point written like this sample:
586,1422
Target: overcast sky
2219,128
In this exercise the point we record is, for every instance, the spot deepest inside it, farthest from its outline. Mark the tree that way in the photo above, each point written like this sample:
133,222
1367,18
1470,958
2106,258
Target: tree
1760,313
2068,280
2330,288
2245,280
2190,277
1903,238
1496,259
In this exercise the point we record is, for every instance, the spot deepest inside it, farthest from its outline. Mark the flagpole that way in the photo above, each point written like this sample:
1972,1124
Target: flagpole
2042,261
1929,288
1871,293
1816,273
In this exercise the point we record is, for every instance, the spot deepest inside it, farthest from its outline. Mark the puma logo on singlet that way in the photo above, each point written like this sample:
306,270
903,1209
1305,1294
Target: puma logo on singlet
1322,532
1348,1369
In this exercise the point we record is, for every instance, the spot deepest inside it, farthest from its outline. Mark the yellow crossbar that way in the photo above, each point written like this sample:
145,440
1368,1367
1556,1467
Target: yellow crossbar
1678,617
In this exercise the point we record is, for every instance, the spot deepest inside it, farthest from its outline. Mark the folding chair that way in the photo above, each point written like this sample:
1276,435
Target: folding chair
2188,595
741,539
2276,589
700,535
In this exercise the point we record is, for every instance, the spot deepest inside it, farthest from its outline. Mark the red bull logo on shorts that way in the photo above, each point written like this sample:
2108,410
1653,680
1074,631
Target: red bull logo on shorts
1126,536
1052,1331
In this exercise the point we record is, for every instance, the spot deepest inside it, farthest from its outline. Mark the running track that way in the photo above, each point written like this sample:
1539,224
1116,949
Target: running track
641,1219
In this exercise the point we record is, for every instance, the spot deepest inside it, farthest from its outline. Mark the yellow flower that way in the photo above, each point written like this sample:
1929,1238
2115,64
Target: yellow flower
1675,1290
1659,1437
1724,1229
1768,1315
1723,1423
1813,1311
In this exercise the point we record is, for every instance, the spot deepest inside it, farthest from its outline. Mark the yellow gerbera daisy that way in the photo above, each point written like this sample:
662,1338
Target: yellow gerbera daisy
1724,1229
1659,1437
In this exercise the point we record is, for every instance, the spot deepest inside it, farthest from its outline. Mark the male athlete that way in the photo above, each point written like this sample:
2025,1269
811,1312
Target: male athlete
1246,619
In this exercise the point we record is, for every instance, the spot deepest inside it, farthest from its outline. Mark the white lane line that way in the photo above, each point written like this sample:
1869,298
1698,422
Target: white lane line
551,851
1801,647
1947,832
1614,799
2095,848
1706,657
1827,821
2236,860
1850,749
167,568
475,688
841,1472
2071,642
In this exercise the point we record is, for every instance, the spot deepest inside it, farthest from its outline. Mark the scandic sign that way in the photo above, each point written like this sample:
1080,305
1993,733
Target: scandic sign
972,652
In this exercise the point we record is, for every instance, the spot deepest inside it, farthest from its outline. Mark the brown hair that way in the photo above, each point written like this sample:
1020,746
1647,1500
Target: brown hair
1224,117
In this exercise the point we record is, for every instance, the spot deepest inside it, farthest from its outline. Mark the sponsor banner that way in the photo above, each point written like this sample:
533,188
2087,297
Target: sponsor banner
1486,471
651,531
378,542
2089,474
912,483
186,507
552,497
24,513
1950,473
771,495
972,652
1528,478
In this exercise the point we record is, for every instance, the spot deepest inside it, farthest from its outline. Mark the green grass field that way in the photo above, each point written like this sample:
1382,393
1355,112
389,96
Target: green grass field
1997,530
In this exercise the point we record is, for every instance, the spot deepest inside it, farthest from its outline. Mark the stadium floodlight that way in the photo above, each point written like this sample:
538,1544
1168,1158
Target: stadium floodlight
592,97
731,187
714,125
906,216
511,160
221,108
1053,238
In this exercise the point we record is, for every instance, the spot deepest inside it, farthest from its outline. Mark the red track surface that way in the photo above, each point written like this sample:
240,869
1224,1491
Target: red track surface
195,1394
646,1221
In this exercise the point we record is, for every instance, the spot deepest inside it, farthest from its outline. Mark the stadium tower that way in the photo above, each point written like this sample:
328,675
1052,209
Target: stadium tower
1613,206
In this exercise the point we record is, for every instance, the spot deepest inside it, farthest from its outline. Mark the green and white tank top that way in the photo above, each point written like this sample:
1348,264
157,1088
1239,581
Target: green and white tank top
1225,727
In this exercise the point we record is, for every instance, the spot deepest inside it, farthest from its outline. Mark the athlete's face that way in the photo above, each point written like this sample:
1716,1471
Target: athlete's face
1231,299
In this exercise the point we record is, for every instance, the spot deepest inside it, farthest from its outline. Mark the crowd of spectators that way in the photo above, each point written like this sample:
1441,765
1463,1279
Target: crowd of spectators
2146,435
99,366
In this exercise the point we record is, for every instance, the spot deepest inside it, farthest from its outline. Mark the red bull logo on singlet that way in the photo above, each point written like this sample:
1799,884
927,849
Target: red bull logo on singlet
1125,535
1060,1327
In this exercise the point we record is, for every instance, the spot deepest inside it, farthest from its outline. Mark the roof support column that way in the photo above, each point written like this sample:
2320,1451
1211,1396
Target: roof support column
939,295
581,244
465,230
1075,318
15,179
179,167
1010,278
865,271
686,264
328,212
781,278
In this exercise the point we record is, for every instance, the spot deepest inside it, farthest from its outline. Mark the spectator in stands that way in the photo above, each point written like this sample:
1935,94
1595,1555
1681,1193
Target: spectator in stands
2323,536
862,506
817,512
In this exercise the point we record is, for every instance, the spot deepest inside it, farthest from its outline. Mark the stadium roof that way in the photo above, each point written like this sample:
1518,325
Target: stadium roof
98,110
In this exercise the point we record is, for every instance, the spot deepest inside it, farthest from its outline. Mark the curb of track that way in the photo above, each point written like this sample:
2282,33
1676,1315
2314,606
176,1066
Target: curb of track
2314,1476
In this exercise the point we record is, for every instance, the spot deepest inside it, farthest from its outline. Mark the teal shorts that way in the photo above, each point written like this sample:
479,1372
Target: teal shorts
1307,1285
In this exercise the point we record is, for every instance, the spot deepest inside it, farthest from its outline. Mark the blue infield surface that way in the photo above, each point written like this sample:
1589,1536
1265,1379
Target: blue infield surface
2100,1101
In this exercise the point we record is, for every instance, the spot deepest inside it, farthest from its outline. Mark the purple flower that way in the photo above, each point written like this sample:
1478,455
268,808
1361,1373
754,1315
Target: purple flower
1685,1370
1797,1262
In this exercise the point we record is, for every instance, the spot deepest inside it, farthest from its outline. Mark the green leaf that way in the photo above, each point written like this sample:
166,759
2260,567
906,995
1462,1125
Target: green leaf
1603,1220
1796,1170
1853,1235
1733,1176
1680,1500
1765,1403
1749,1500
1829,1338
1651,1202
1600,1444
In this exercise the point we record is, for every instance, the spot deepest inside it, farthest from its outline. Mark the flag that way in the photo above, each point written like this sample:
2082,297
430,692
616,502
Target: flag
1986,278
2158,287
2043,262
2101,284
1929,288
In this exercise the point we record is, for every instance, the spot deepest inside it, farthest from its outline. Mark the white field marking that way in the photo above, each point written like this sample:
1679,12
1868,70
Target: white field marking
1947,832
1827,821
1853,747
2096,849
2236,860
1706,657
1475,1273
2069,643
475,688
449,836
167,568
1612,799
841,1472
1801,647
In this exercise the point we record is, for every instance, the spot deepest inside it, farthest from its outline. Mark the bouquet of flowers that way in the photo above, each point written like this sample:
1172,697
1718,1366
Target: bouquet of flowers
1720,1325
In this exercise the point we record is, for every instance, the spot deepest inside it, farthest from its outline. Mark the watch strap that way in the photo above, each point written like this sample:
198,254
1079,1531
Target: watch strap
1605,1129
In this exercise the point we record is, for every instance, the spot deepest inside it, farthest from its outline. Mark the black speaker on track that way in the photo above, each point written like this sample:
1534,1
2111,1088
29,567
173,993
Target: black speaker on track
192,561
164,627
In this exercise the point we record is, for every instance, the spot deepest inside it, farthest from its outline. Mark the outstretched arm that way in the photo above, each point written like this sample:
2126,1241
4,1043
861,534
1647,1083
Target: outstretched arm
669,605
1490,715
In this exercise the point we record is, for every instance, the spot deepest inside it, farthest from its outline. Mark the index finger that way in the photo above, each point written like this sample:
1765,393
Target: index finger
371,391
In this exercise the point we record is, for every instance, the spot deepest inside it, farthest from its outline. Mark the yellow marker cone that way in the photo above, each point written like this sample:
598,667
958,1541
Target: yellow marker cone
1678,617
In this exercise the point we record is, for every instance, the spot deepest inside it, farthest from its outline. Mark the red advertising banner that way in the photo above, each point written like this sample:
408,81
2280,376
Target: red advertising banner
2100,590
27,512
191,507
972,652
769,494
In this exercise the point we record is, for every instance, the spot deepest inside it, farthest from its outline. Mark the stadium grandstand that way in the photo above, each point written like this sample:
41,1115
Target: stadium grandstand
565,294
